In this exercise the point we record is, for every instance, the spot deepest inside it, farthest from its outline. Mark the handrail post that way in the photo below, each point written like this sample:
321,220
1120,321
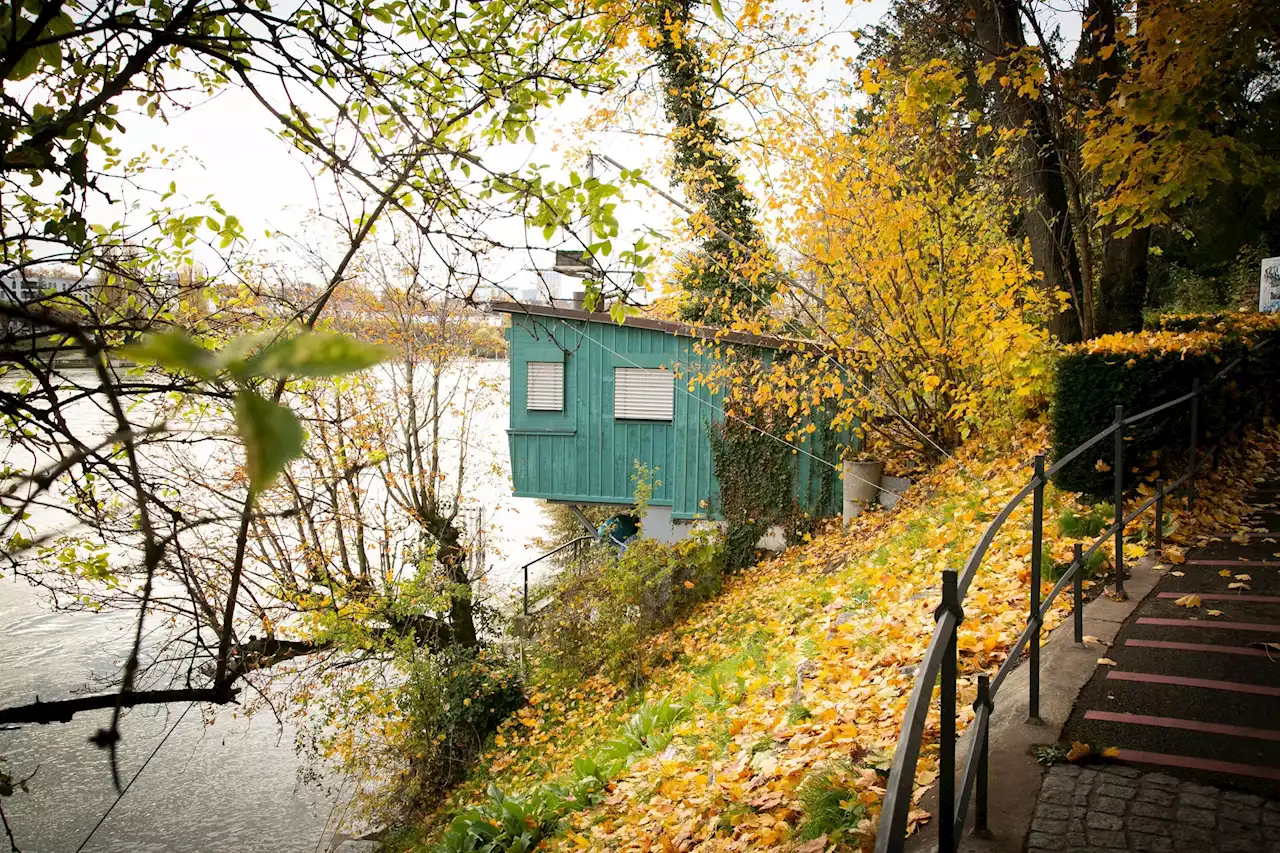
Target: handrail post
526,589
1119,496
1159,537
1195,443
947,718
980,791
1077,593
1037,529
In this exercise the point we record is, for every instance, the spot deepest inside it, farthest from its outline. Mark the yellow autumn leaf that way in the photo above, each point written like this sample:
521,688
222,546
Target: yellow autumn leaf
1078,751
1188,601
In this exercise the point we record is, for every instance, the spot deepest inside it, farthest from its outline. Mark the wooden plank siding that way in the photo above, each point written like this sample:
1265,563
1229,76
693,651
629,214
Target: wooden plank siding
584,455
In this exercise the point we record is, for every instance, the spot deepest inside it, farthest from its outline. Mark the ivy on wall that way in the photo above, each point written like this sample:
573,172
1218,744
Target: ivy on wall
755,474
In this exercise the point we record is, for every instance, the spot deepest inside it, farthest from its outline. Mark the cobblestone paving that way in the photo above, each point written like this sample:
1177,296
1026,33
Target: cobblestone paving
1088,810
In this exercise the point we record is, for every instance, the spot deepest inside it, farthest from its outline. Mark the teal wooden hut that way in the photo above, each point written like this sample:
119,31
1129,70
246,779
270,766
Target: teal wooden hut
590,398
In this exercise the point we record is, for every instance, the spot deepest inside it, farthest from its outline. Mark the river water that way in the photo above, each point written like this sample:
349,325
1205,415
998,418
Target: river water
221,782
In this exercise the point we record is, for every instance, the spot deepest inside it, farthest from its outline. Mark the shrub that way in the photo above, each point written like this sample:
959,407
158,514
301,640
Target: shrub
830,803
601,616
1242,324
1053,572
648,731
1143,370
505,824
452,700
1087,525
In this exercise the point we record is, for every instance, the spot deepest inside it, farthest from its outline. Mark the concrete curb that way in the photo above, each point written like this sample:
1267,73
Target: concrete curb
1065,668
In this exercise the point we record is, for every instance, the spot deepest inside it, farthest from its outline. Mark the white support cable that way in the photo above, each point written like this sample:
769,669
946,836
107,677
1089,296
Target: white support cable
791,280
587,335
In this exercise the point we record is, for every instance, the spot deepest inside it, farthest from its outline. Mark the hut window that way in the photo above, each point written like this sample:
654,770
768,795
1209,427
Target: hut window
643,394
546,386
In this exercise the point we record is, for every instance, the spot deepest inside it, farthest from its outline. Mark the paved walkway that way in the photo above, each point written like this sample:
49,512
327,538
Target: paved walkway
1192,702
1110,808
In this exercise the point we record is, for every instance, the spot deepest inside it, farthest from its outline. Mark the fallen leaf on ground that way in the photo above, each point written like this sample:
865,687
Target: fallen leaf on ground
1090,639
1188,601
1078,751
1225,573
1238,585
1244,577
1111,752
915,818
1178,574
817,845
1214,612
1268,648
1107,662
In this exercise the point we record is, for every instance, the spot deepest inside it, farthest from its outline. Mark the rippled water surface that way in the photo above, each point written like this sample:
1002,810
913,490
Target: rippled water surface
230,786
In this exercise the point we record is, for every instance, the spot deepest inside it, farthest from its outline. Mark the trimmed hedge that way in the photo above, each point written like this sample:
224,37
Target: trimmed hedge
1145,369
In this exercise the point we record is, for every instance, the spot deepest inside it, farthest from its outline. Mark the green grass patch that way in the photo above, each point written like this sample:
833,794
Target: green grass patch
829,803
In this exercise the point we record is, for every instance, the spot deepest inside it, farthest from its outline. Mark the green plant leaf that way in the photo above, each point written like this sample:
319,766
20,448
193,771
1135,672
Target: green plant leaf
316,354
175,350
272,436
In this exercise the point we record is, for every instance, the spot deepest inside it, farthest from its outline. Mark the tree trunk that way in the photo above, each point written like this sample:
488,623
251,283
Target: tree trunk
1122,289
1047,217
1122,285
453,557
461,615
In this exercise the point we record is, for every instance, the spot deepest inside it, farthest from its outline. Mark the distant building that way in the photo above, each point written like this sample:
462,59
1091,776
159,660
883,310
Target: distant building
25,285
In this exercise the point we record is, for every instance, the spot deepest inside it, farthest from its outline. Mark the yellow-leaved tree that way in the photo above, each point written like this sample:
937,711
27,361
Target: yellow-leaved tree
927,319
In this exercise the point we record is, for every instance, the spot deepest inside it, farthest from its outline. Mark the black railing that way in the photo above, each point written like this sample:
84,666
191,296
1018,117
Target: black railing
552,552
941,658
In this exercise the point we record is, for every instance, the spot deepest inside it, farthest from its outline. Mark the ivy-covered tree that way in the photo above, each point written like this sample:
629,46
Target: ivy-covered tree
729,271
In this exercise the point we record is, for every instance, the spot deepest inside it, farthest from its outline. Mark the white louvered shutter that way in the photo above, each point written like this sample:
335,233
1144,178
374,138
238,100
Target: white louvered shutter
546,386
643,394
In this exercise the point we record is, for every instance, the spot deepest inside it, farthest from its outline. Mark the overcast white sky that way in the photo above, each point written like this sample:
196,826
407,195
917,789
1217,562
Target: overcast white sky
235,156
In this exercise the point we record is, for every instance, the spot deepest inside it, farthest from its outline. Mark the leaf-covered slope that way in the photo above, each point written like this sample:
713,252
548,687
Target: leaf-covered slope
808,659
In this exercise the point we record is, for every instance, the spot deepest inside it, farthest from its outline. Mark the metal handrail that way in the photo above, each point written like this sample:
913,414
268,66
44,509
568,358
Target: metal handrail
941,656
552,552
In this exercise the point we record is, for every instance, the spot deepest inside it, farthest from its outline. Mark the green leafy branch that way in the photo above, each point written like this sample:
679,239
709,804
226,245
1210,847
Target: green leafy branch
272,434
